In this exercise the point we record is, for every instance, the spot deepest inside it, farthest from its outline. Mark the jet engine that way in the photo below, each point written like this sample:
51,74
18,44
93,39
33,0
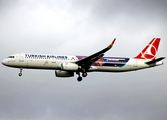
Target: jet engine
68,66
60,73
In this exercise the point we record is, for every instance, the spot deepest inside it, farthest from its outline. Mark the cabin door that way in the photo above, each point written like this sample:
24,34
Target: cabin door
21,58
135,64
53,60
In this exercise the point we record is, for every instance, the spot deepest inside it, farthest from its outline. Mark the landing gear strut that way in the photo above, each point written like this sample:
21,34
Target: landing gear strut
79,77
20,74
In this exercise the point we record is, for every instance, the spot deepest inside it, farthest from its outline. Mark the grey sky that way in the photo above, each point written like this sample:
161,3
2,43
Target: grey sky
73,27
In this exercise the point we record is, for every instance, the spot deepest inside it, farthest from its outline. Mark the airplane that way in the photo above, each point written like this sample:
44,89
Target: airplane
66,66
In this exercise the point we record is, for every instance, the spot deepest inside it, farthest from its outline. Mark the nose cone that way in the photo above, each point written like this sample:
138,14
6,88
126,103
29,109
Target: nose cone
4,62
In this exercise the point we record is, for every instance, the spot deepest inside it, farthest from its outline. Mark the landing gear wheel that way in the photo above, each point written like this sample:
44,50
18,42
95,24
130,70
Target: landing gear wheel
20,74
79,79
84,74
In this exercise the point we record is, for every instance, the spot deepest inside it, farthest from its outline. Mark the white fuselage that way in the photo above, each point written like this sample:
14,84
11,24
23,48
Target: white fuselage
66,66
52,62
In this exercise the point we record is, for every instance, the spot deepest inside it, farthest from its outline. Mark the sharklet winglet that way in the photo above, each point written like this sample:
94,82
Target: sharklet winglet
110,46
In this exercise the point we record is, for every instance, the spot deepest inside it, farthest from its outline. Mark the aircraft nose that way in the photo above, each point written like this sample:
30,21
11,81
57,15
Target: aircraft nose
4,62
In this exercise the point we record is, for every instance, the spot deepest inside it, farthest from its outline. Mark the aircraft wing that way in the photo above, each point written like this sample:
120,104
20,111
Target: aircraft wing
86,62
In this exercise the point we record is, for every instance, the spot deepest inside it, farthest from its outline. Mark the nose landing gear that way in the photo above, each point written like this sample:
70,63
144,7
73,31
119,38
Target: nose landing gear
20,74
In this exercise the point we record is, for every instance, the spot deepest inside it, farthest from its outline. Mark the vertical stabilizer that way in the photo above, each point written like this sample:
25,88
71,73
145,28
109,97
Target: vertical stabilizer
150,51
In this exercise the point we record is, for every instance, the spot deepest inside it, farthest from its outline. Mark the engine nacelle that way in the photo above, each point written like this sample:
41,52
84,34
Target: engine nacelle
60,73
68,66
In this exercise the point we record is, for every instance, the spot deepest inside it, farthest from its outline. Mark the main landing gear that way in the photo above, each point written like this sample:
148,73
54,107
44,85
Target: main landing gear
84,74
20,74
79,77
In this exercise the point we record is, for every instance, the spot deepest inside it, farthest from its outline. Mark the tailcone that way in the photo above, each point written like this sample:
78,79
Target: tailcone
159,63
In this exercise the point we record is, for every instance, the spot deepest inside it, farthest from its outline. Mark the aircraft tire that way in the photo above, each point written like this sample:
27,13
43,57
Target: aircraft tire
84,74
79,79
20,74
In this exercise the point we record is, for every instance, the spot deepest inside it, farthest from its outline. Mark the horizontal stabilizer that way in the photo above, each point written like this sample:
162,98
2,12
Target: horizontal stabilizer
154,61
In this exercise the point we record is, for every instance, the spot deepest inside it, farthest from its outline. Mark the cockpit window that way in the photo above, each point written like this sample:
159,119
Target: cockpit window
11,57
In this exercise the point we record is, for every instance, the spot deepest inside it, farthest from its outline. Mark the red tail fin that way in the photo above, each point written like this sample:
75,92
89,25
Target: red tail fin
150,51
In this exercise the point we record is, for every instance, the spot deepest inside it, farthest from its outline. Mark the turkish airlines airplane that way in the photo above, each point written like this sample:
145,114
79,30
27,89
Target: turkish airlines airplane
66,66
